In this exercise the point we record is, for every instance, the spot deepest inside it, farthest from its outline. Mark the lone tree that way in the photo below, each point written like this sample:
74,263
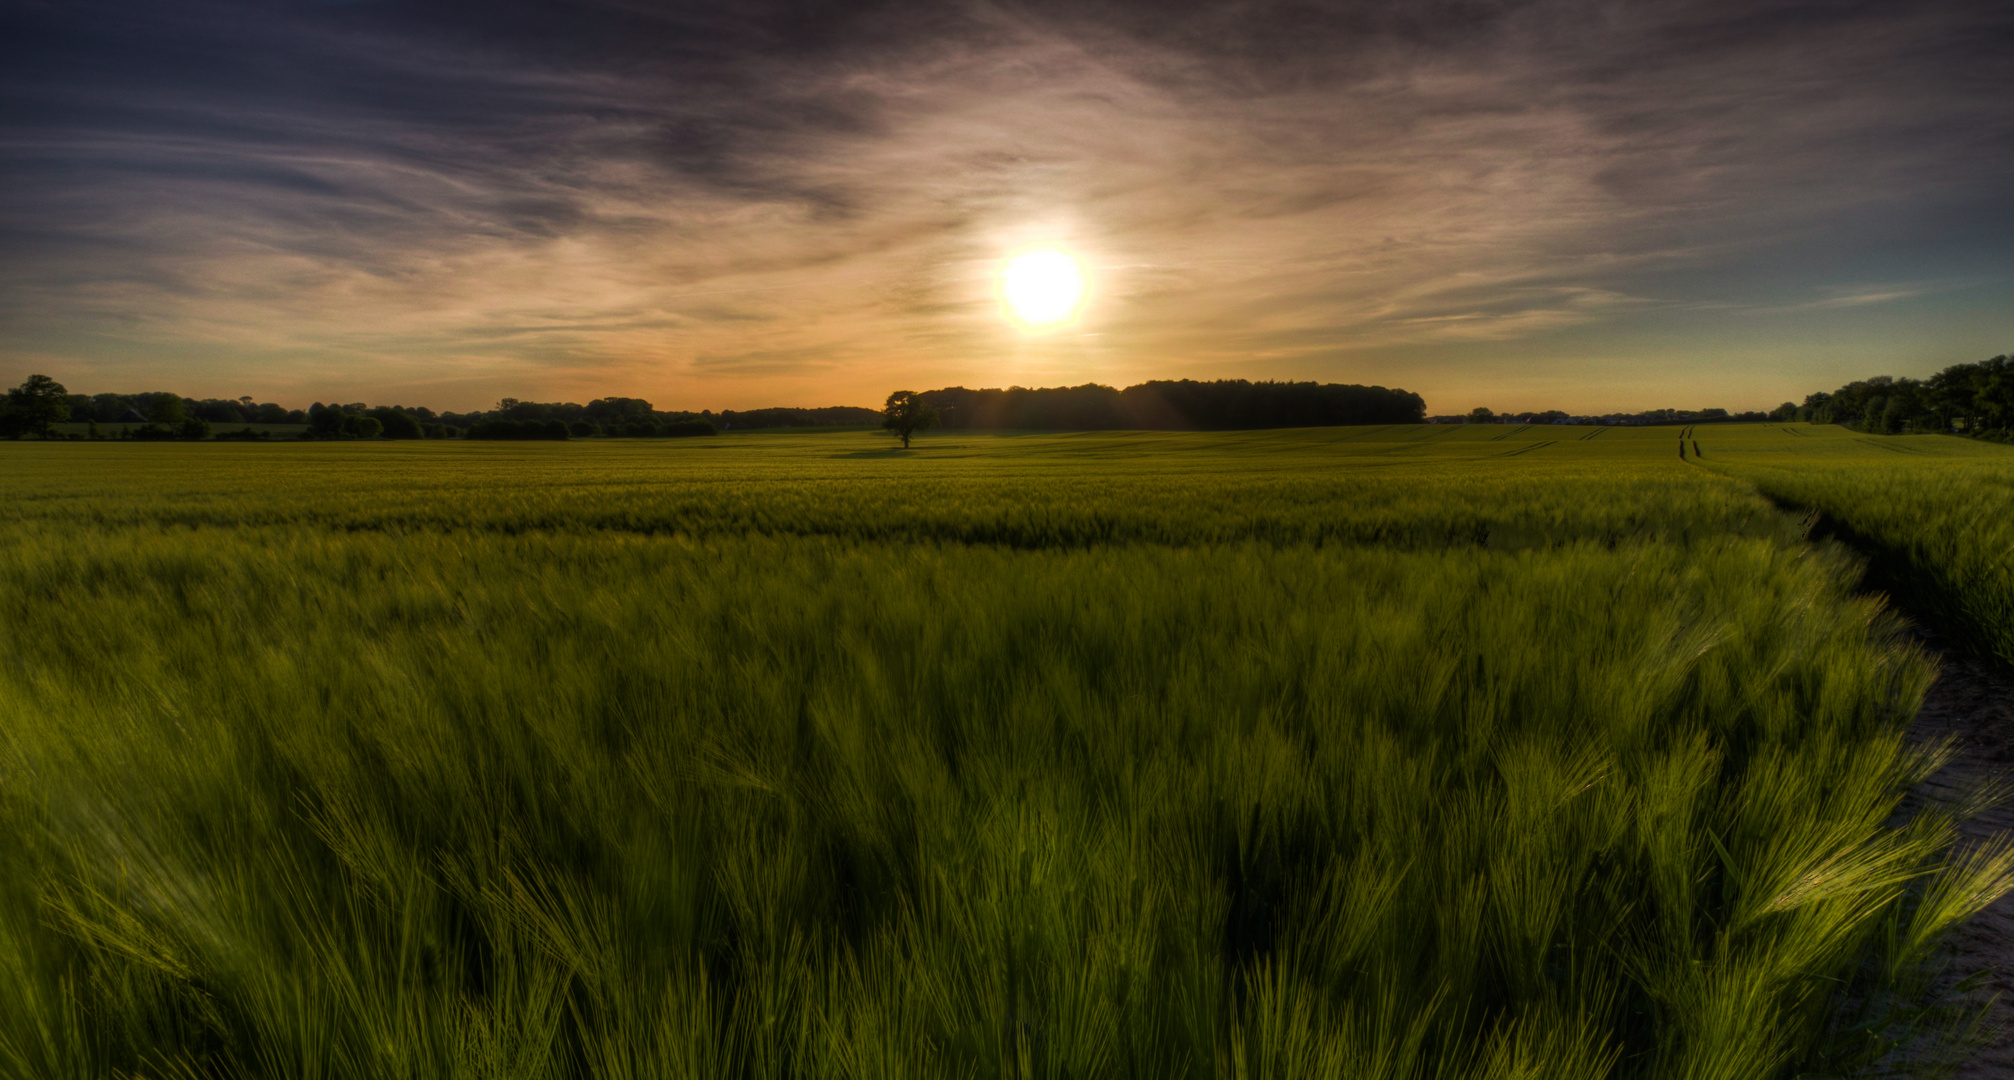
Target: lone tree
33,406
906,414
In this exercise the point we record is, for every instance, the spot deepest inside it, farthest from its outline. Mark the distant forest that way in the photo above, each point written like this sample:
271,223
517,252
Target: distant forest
1185,405
166,415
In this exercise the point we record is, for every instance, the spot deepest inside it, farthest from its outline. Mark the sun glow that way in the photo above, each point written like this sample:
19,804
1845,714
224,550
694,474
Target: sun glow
1044,287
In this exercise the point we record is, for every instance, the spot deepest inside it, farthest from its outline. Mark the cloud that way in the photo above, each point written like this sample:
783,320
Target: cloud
740,201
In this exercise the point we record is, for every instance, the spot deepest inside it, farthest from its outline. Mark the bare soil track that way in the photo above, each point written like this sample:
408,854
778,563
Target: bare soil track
1972,704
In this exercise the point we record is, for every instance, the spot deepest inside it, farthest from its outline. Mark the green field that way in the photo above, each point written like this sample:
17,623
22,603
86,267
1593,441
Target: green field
1936,514
1480,751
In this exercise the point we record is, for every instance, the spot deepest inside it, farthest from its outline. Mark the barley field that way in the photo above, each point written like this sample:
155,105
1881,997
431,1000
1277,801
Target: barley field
1936,514
1466,752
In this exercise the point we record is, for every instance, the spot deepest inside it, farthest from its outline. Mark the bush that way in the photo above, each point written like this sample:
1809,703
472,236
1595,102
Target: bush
362,427
653,429
398,424
244,435
191,429
162,408
518,429
324,422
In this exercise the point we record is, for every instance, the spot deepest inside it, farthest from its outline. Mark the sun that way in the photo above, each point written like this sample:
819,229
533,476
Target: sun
1044,287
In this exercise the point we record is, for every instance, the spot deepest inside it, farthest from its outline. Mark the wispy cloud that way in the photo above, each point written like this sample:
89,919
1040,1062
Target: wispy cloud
728,208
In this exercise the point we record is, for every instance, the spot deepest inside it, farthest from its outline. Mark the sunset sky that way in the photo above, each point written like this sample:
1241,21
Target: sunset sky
1590,206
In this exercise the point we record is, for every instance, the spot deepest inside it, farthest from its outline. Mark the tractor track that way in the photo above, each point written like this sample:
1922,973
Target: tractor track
1971,705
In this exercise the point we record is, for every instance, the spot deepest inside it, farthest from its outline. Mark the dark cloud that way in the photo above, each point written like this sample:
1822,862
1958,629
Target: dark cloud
697,192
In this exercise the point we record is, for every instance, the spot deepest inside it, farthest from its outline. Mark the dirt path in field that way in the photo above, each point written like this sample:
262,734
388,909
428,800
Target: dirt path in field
1972,703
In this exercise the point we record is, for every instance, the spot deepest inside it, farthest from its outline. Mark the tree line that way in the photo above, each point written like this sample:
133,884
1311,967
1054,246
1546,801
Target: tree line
163,407
611,417
1183,405
638,418
1224,404
41,402
1969,399
1643,418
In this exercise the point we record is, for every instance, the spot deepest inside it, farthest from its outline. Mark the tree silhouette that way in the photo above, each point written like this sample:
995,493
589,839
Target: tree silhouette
34,405
164,407
906,414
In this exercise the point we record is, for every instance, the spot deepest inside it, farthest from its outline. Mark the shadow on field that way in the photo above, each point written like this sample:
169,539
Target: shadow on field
886,452
935,450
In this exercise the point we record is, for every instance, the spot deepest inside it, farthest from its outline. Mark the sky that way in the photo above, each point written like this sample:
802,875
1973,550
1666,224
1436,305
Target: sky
1552,204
